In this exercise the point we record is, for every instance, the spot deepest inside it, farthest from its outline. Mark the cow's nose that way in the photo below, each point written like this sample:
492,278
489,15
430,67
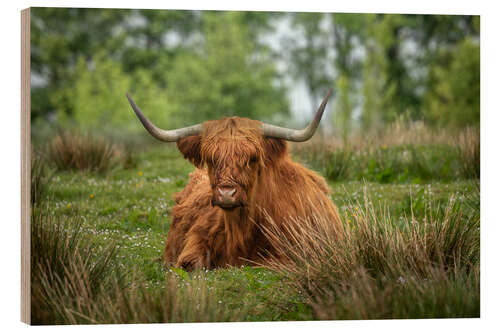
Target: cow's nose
226,196
226,192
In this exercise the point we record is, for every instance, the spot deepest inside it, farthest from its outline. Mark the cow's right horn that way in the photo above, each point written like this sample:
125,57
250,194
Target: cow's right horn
297,135
163,135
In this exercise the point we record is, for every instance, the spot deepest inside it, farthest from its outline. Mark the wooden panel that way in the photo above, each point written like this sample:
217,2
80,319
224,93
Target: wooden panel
25,166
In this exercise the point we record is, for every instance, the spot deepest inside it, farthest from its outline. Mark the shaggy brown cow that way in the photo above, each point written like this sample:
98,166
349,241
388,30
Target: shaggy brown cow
244,178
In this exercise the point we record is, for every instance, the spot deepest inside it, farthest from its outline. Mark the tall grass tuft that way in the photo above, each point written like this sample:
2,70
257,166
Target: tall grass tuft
67,269
470,153
176,302
74,281
87,152
378,267
39,178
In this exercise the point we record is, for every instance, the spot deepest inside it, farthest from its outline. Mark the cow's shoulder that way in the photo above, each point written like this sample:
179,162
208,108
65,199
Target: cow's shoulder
198,185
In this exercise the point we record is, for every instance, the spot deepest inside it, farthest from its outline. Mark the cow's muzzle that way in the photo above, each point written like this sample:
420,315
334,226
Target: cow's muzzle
226,197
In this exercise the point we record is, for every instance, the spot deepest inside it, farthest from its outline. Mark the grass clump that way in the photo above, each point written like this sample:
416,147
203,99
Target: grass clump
87,152
39,178
470,153
379,267
66,269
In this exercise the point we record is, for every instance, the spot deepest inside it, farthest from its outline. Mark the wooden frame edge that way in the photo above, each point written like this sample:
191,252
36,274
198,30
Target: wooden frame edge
25,167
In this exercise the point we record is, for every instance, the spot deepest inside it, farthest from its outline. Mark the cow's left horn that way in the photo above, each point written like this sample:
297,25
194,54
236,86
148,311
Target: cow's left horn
297,135
163,135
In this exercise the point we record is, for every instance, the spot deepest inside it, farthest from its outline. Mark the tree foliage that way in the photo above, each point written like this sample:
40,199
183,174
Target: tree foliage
227,77
455,98
98,96
59,37
224,76
309,57
189,66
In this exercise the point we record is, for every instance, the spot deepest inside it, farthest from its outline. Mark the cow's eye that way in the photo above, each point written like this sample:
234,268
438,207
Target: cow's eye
253,159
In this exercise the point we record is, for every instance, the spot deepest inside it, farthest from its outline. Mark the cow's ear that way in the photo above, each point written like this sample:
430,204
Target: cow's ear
274,149
190,147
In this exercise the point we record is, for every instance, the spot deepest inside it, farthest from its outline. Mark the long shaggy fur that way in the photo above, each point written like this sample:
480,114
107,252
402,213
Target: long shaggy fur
272,188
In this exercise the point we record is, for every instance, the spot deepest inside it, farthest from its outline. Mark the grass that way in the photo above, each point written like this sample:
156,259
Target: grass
402,159
77,281
378,267
389,164
470,153
410,248
67,269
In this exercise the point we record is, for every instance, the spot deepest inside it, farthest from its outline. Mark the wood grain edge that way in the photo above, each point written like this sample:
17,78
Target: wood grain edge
25,167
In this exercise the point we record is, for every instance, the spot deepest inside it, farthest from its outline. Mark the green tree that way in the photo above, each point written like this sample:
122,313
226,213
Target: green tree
225,77
189,66
98,96
348,32
455,97
59,37
406,48
135,38
372,88
397,85
344,106
157,39
309,54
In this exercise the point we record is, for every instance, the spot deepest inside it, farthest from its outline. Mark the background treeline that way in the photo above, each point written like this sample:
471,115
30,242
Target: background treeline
188,66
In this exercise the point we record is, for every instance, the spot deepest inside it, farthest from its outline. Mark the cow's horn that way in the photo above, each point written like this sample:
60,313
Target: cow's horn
297,135
163,135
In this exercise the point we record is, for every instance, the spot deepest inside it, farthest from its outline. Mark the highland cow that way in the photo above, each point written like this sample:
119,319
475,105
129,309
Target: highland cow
244,180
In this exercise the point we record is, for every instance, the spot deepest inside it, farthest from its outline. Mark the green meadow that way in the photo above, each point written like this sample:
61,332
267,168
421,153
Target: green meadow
411,247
